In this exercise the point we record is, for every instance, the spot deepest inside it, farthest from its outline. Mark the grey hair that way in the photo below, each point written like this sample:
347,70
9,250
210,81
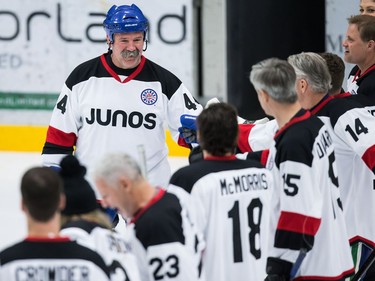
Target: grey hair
277,78
112,166
314,69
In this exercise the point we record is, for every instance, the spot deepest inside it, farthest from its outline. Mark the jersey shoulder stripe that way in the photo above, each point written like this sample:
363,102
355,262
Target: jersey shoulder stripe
151,72
154,72
86,70
187,176
296,143
64,250
337,107
161,223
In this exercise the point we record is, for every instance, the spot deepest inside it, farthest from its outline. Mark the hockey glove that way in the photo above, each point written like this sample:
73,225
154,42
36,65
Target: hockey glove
188,129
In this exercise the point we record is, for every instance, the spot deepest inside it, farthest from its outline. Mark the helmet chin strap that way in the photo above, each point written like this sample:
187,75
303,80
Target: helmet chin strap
146,46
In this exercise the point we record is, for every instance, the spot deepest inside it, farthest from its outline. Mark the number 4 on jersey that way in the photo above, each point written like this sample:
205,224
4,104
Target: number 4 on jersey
188,103
359,128
62,104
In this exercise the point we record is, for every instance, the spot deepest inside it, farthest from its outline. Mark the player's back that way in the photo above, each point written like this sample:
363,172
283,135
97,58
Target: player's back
354,139
230,198
51,259
113,247
307,211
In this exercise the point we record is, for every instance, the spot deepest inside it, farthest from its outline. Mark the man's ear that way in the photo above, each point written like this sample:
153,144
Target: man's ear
371,44
62,202
264,95
23,207
125,183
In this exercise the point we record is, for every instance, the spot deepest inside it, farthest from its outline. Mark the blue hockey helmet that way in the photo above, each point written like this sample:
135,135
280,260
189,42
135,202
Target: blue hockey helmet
124,19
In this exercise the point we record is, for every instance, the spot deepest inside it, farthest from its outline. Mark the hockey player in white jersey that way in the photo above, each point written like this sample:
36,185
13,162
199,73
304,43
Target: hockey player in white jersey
307,214
84,222
46,255
353,135
162,234
231,200
359,49
118,101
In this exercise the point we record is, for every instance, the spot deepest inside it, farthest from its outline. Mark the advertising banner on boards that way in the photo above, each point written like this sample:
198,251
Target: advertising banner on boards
42,41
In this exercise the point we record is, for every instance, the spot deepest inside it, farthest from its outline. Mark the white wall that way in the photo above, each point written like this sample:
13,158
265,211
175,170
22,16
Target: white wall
42,41
337,12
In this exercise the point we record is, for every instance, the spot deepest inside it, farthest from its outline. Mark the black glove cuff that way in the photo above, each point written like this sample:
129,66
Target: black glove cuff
278,267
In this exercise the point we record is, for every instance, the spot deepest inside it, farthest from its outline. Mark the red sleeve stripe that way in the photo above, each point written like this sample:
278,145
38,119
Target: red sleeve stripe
182,142
369,158
264,157
58,137
243,137
298,223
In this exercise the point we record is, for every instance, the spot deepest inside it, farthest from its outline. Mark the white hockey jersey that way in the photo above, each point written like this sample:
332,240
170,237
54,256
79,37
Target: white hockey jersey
165,241
307,209
112,246
231,199
103,108
55,259
354,140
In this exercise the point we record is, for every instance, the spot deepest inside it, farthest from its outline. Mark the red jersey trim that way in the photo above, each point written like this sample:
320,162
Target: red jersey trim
298,223
47,239
339,277
294,120
342,95
361,239
321,105
369,157
221,158
264,157
182,142
243,137
358,74
114,74
155,199
59,137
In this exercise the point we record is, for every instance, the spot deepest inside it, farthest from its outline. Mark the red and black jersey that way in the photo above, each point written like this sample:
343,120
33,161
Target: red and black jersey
307,211
354,139
165,241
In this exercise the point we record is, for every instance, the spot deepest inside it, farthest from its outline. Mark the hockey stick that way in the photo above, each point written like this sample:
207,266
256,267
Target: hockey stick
366,265
298,262
142,160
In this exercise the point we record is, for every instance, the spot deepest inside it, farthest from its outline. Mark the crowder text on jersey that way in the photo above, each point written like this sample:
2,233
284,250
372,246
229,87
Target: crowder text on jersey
50,272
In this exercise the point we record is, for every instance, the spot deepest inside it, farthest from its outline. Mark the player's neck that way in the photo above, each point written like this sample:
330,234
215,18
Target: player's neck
43,229
366,64
285,113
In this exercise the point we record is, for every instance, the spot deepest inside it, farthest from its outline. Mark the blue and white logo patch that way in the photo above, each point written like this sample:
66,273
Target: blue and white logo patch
149,96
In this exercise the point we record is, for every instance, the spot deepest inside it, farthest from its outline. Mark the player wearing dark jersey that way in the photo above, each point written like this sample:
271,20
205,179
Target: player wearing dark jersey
119,102
230,199
307,215
353,134
84,221
359,46
45,255
162,234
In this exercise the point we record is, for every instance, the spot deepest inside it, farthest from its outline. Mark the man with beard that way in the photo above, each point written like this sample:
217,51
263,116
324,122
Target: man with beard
119,102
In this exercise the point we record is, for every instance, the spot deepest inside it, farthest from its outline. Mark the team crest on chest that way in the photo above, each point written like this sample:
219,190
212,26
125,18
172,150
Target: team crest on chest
149,96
